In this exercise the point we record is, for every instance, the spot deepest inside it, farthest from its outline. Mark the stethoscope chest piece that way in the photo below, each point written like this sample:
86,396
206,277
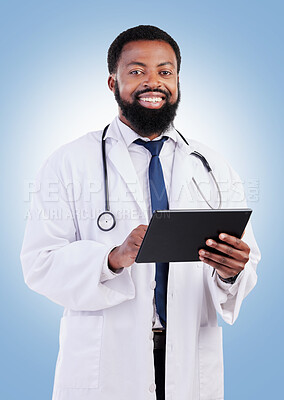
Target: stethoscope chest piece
106,221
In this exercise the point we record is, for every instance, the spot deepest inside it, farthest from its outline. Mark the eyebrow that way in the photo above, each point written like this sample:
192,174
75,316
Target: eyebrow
144,65
166,63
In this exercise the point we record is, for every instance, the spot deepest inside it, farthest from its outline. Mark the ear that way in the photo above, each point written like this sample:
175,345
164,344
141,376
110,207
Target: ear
111,82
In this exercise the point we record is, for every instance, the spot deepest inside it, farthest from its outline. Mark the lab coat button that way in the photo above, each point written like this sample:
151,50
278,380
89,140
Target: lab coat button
152,388
153,285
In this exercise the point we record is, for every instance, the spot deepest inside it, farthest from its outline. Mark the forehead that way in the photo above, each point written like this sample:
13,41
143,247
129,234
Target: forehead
148,52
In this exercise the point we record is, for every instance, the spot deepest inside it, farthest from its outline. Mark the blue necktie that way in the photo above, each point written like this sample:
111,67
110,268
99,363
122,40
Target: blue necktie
159,201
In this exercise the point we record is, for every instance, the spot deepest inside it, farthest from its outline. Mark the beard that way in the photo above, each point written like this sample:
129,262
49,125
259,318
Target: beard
147,121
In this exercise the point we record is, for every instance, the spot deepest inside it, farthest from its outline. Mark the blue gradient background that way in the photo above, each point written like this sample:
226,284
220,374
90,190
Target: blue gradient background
53,89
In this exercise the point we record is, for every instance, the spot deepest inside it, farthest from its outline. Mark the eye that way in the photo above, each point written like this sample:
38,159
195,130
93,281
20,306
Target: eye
165,73
135,72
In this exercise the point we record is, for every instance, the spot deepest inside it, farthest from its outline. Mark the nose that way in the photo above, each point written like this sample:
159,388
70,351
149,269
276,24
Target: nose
152,80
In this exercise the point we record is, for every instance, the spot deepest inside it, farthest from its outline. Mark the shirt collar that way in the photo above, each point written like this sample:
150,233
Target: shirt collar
130,136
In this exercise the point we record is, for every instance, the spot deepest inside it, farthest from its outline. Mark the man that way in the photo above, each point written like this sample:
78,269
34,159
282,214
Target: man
114,308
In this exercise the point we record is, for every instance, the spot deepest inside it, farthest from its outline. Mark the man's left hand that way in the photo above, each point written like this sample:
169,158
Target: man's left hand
236,255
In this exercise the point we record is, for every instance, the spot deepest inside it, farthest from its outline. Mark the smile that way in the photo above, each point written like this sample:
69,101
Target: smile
151,99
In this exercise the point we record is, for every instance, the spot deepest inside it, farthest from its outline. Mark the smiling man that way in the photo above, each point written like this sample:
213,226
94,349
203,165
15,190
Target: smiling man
136,331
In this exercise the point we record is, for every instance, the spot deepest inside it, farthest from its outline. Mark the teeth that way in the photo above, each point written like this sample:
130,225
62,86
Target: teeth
151,99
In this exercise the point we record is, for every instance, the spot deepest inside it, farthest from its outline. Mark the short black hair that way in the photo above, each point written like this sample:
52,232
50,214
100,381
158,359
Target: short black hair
140,32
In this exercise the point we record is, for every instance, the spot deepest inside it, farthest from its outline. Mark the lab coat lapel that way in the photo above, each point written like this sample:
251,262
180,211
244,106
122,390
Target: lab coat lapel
119,156
183,192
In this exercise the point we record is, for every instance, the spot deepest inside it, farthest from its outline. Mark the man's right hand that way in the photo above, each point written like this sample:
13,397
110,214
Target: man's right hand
125,254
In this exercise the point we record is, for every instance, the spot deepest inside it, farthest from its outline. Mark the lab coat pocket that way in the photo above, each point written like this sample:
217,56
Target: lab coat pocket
211,375
79,352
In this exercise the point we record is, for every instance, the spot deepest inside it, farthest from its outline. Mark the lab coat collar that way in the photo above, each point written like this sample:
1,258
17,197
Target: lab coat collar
186,148
118,154
182,193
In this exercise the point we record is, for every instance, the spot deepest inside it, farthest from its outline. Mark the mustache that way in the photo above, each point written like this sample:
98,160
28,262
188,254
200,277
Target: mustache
164,92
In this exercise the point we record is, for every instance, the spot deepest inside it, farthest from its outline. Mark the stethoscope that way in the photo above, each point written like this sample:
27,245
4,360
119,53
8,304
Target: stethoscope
106,220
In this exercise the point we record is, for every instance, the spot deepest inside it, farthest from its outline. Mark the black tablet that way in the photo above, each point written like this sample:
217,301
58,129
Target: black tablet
178,235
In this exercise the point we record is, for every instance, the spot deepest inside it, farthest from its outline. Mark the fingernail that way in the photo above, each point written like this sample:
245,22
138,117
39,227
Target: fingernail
201,258
210,242
222,236
202,252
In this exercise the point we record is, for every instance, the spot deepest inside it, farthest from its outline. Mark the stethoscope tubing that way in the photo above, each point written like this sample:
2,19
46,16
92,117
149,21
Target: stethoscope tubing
107,207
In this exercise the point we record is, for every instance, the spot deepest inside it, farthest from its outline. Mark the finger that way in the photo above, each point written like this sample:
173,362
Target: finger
142,227
234,241
137,234
229,250
222,260
132,251
136,241
140,231
223,271
139,237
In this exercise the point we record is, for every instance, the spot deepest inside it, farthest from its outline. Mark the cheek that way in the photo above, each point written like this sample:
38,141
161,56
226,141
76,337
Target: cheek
174,91
172,86
126,89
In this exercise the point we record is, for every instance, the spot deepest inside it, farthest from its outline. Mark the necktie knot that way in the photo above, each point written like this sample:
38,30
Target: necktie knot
154,146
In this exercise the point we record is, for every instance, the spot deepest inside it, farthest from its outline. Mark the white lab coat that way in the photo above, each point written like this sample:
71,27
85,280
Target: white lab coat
106,347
